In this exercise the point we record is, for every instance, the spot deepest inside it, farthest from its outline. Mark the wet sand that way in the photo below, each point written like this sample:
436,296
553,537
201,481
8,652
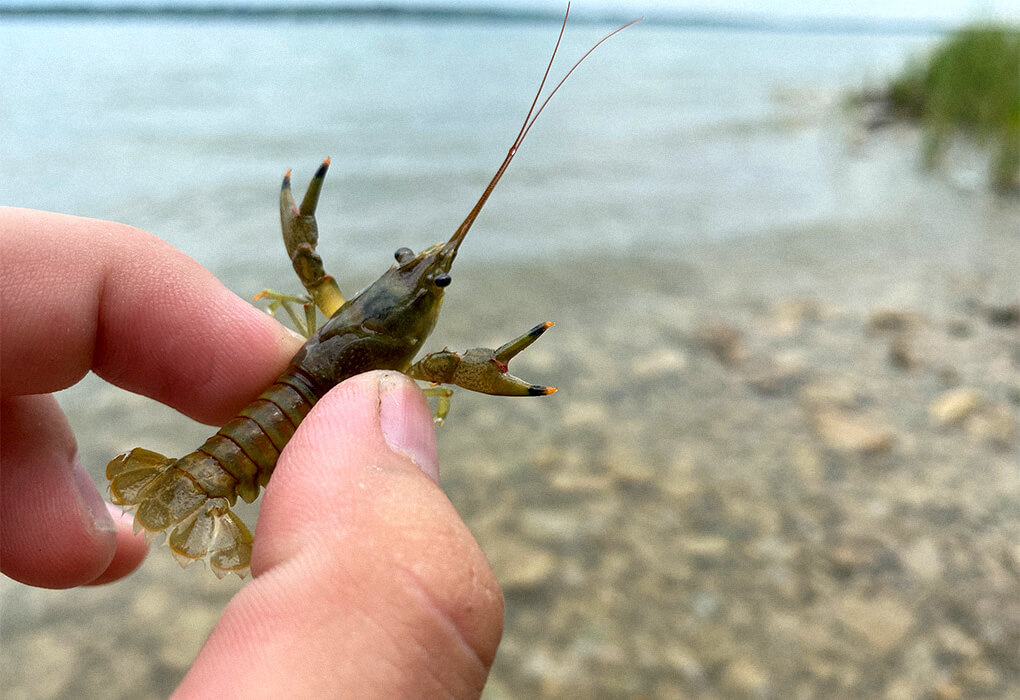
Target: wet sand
776,467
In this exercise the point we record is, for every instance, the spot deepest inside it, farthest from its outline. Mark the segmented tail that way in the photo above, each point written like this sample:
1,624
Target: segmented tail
190,498
166,497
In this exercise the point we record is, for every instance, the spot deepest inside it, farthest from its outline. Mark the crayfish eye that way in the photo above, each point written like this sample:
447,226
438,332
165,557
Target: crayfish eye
443,280
403,255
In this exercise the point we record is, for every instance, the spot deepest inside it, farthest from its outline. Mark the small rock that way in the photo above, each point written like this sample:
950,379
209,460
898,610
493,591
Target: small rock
551,525
947,690
686,663
959,328
980,676
923,559
706,546
901,355
705,604
520,566
832,392
850,433
1011,558
579,482
882,621
675,568
722,339
948,376
151,603
789,315
773,378
1007,315
901,689
845,560
659,363
955,406
632,472
952,640
743,678
862,554
918,667
586,414
894,320
1013,392
773,549
808,461
994,425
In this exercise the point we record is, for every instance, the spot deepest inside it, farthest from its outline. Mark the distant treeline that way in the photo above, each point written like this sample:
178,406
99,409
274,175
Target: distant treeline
758,23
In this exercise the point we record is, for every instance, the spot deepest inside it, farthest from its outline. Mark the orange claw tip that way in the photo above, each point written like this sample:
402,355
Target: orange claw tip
327,161
540,329
536,390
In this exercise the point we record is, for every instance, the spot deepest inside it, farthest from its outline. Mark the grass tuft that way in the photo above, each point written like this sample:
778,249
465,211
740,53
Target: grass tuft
970,85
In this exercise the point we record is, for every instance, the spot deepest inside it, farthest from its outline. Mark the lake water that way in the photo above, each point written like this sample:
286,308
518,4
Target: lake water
184,128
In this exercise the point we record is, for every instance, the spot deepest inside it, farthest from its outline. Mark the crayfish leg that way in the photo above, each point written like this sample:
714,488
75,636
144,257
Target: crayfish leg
443,395
279,299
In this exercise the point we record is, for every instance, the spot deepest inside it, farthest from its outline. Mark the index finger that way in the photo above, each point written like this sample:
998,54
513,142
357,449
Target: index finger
81,294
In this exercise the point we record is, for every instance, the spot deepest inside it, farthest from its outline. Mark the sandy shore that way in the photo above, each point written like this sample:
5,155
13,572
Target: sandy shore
781,467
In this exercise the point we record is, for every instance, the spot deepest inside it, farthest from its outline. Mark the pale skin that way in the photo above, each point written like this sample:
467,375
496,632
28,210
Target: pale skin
365,582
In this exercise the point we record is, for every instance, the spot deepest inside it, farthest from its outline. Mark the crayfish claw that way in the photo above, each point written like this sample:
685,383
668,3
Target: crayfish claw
301,236
287,202
482,369
507,352
311,199
537,390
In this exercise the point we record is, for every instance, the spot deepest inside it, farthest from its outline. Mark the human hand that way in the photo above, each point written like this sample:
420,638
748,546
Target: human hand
365,580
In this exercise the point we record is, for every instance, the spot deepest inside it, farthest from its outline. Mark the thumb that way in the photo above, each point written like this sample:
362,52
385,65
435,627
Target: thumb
366,581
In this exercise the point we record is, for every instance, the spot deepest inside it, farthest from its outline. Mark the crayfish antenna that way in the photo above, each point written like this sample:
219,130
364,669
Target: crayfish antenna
530,118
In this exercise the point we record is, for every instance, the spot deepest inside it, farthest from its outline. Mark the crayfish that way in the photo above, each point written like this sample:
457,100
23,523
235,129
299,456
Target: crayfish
382,327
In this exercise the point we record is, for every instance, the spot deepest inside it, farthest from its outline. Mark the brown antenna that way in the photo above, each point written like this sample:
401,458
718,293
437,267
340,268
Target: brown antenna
529,120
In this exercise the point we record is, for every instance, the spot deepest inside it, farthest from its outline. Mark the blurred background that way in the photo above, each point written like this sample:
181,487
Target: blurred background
781,251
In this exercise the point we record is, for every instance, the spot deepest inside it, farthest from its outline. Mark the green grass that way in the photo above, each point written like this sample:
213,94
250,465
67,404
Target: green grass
970,85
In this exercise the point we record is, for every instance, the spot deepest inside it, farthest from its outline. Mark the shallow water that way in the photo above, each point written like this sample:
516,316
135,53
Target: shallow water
184,128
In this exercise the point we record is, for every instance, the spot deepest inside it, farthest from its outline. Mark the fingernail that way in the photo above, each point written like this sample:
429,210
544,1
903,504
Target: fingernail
92,503
406,421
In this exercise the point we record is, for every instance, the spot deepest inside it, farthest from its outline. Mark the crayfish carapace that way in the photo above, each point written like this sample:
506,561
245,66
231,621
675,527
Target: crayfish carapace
383,327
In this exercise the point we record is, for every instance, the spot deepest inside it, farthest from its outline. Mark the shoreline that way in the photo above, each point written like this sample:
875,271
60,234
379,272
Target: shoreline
718,21
773,463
